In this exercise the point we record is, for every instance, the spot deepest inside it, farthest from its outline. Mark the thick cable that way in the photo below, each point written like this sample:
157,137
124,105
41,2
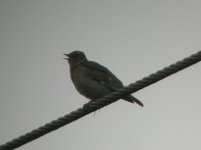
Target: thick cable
95,105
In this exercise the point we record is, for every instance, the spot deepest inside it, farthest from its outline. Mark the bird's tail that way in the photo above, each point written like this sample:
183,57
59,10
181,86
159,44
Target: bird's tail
132,99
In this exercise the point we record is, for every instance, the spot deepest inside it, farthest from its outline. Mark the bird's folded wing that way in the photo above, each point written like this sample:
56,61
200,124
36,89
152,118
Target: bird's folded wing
103,75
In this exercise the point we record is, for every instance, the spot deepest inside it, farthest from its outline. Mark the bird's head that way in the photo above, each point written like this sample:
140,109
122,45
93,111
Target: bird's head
76,57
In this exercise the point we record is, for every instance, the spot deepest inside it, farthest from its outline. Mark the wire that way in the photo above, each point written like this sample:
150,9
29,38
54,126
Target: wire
99,103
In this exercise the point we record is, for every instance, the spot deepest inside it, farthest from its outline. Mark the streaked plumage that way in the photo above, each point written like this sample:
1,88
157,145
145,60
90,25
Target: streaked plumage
92,79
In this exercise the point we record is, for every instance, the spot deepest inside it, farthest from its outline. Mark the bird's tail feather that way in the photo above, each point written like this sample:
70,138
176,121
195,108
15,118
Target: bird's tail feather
132,99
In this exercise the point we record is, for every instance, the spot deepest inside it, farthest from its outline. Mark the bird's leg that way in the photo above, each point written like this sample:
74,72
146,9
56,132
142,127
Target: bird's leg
94,113
86,105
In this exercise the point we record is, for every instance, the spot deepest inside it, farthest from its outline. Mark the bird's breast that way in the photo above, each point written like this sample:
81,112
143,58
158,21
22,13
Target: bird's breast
87,86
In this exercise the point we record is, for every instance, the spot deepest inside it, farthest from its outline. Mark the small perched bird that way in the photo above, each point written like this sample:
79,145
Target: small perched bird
93,80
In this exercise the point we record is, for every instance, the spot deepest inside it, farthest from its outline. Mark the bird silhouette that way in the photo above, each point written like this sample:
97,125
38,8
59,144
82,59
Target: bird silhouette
93,80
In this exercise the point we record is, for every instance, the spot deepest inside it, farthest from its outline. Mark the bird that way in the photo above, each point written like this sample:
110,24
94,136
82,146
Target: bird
93,80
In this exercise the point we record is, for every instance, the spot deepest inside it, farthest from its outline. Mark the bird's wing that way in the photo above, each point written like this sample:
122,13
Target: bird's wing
103,75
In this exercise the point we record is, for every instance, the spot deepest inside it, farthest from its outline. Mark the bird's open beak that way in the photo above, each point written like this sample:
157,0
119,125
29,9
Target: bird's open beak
67,56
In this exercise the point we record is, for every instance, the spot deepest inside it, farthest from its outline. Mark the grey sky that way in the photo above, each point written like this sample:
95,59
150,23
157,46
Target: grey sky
132,39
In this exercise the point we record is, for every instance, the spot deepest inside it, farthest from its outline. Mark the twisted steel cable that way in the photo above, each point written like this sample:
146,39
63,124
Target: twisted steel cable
95,105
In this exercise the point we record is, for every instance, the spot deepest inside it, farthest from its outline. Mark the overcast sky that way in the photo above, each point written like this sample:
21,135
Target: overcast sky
133,39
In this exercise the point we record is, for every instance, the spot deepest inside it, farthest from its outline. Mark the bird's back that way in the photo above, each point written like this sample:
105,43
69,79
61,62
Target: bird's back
104,75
